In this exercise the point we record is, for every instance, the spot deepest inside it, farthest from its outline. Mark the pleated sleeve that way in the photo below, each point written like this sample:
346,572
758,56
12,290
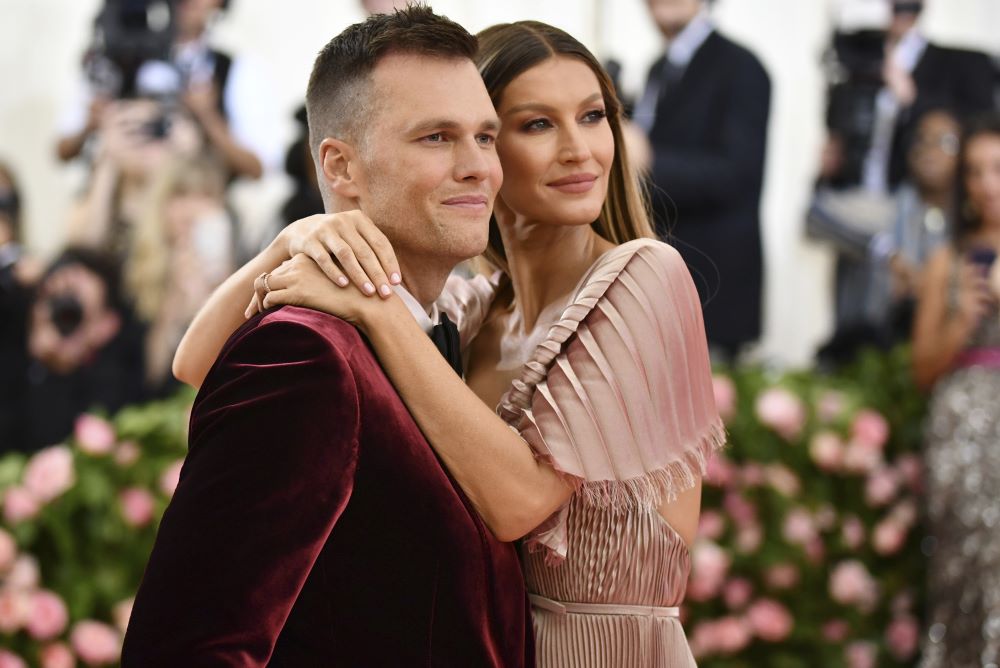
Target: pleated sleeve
618,398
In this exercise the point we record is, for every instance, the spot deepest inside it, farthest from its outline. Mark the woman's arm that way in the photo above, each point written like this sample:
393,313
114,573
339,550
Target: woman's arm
347,246
511,490
939,332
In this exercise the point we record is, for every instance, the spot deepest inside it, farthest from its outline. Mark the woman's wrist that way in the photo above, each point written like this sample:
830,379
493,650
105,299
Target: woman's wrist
382,316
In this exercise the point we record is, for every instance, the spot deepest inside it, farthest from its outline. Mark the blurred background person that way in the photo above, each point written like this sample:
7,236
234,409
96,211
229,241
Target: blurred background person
159,49
883,243
85,349
705,111
156,205
881,82
956,355
17,277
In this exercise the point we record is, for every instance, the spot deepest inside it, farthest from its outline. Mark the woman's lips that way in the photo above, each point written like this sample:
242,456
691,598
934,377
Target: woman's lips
577,183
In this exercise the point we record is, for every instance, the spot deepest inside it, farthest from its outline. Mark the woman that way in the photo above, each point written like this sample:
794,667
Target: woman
956,354
590,340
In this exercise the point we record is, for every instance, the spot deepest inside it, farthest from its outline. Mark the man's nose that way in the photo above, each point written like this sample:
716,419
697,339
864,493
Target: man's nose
473,160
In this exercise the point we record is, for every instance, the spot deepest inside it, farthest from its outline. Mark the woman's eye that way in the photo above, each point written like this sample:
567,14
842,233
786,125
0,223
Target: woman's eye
595,116
537,124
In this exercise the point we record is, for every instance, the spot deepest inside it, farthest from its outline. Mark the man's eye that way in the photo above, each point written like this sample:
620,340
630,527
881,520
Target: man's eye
486,140
434,138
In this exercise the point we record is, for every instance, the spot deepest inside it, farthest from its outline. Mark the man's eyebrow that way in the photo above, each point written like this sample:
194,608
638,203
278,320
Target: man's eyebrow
539,106
434,124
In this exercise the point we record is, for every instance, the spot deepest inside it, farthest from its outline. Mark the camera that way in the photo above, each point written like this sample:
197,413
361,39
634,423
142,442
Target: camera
128,33
66,313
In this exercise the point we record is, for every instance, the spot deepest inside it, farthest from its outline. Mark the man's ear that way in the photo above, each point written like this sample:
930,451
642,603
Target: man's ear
340,165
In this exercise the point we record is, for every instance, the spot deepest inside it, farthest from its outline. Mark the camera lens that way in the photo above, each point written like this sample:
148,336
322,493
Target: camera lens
66,313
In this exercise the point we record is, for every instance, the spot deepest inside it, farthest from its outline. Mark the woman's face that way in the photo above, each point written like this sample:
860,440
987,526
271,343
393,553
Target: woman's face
555,143
982,176
934,154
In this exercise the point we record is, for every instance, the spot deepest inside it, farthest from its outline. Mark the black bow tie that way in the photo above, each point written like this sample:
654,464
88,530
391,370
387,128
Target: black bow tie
445,337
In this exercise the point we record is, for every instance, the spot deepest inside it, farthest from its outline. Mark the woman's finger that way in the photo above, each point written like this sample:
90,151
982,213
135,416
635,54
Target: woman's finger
349,264
253,308
369,261
321,256
278,298
383,250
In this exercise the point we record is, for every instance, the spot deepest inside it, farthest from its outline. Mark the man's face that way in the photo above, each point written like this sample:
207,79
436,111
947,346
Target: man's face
429,169
671,16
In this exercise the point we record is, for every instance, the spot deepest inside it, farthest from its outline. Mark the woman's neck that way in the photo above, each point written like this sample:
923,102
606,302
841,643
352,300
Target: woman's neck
546,262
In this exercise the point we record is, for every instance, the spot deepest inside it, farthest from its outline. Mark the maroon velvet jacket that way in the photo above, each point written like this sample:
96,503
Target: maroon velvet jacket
314,526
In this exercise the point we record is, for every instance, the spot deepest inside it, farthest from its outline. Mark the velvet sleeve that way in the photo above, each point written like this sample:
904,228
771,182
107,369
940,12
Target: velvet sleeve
273,451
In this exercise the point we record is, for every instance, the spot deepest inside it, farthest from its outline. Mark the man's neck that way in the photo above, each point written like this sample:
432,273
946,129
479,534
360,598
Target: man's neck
424,278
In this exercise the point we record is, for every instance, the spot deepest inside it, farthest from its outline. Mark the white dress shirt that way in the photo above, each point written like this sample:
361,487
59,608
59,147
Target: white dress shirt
426,319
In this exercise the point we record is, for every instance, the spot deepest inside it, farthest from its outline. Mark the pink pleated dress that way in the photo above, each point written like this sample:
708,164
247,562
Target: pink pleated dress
618,398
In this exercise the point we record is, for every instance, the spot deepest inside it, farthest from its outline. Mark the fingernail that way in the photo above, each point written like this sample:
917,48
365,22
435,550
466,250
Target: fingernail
385,290
395,277
368,288
342,281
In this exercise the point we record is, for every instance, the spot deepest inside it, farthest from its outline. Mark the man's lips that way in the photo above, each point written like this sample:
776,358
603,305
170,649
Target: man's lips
468,201
574,183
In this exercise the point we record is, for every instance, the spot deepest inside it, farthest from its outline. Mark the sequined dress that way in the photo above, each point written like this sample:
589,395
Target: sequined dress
618,398
963,495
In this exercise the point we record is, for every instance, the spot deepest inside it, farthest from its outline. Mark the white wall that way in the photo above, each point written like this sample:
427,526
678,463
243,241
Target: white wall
41,40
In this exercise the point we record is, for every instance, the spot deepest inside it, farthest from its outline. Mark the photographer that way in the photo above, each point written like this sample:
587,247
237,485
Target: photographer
85,350
159,49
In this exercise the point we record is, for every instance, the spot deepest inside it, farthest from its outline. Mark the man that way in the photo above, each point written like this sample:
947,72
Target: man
222,93
313,525
705,110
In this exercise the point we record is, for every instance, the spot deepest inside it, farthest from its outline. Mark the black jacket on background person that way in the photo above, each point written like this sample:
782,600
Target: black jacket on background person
708,138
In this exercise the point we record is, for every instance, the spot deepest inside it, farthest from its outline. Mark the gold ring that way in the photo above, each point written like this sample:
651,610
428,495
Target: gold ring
267,288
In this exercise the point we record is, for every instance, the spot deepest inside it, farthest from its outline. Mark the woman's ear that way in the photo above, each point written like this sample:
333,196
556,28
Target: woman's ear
340,168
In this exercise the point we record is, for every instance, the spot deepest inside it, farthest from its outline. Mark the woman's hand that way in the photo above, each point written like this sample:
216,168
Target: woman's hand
347,247
300,282
975,296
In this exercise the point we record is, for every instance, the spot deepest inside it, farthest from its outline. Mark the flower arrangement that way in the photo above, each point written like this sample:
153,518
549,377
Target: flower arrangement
809,544
77,524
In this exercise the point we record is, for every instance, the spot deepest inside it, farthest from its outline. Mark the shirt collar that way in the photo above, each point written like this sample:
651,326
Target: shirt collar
425,319
910,49
682,48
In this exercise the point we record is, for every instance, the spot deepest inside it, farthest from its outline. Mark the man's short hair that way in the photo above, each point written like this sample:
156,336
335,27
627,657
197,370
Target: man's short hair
339,99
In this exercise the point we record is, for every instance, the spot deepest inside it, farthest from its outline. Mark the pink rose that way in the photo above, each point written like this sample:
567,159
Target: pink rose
719,472
737,593
870,428
860,458
798,527
57,655
860,655
769,620
727,635
50,473
831,406
170,477
782,479
781,411
95,643
749,538
15,606
911,471
121,614
902,637
711,525
48,616
725,396
835,631
19,505
827,451
24,573
137,506
782,576
825,517
740,510
11,660
752,475
126,454
94,435
815,550
709,565
852,584
8,551
904,513
888,537
881,487
852,532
